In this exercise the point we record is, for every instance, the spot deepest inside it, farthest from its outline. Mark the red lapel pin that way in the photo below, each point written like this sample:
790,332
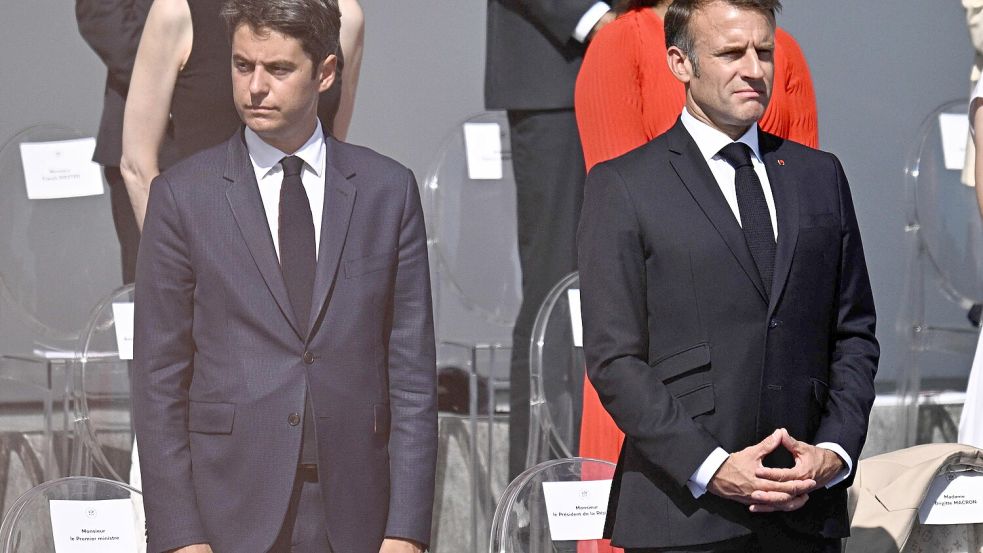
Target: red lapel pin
781,162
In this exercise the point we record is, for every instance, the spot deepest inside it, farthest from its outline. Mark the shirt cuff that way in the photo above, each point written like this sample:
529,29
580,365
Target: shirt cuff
843,474
698,483
588,20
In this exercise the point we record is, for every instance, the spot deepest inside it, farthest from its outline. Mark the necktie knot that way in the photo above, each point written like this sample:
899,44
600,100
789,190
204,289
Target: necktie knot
737,154
292,166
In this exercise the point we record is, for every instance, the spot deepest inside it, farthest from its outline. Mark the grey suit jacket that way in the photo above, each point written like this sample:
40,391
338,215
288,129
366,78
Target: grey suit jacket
687,350
220,367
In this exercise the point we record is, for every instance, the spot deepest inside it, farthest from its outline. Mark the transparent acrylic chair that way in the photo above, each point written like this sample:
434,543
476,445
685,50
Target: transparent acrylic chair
56,258
101,392
556,371
474,262
521,524
944,273
27,526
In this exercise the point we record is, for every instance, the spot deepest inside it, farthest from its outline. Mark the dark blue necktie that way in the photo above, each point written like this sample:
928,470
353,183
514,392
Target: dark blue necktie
755,218
296,238
298,260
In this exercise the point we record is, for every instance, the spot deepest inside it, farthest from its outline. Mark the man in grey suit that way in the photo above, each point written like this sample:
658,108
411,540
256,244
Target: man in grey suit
533,55
284,382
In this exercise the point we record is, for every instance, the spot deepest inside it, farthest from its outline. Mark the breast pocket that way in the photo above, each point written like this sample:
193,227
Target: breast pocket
369,264
686,374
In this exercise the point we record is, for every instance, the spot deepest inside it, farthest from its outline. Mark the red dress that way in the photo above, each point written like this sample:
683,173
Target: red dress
626,96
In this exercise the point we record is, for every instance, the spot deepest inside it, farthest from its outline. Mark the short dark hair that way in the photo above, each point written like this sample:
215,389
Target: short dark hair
315,23
680,14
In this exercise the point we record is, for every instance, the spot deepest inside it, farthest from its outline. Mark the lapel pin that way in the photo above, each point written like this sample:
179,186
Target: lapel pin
781,162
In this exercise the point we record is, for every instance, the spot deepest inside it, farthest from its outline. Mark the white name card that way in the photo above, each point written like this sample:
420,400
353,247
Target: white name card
123,321
483,142
61,169
106,526
576,323
576,510
954,498
955,129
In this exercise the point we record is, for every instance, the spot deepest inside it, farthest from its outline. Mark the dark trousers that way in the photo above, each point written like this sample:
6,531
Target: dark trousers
305,526
549,173
768,541
125,222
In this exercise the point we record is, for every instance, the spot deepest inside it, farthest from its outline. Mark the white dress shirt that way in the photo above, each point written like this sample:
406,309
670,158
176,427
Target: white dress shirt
710,141
269,176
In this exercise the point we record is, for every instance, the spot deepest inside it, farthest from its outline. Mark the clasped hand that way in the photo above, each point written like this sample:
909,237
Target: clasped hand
744,478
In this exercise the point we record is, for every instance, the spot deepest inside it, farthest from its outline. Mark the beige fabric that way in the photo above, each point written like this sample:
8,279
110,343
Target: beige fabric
889,488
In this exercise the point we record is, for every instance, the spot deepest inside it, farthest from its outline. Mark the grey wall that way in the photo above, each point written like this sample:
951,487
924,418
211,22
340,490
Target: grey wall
879,67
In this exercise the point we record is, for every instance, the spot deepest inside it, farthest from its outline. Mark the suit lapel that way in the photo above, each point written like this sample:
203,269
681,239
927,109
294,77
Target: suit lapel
339,199
696,176
247,208
784,189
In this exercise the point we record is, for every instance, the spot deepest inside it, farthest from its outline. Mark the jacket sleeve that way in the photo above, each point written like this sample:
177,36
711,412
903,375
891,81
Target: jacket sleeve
112,28
558,18
412,382
162,371
855,350
616,330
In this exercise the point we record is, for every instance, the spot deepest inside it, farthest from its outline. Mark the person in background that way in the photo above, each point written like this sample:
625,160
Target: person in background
626,95
533,54
971,418
112,28
181,89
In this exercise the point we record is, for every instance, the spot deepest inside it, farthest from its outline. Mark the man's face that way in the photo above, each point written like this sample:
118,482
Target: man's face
735,50
276,85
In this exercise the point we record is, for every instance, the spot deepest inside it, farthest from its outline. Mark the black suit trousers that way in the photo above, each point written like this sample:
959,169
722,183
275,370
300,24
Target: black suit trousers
549,173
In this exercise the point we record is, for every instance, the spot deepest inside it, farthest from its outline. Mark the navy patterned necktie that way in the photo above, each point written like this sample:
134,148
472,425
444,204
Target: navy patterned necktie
755,218
296,239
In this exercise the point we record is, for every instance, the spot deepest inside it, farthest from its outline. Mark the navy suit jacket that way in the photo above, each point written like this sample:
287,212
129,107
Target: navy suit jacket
688,353
221,368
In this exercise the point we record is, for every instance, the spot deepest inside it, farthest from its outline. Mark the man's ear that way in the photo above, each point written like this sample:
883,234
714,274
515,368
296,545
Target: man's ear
326,72
679,64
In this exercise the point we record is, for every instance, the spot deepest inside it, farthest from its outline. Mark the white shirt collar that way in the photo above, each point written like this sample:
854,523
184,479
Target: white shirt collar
710,140
266,157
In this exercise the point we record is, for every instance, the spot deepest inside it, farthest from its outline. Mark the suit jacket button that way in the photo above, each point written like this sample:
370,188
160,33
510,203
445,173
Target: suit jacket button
293,419
308,358
774,323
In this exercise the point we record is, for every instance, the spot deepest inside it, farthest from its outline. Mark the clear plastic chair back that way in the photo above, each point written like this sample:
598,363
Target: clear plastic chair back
521,524
27,527
945,264
104,438
57,256
556,371
471,228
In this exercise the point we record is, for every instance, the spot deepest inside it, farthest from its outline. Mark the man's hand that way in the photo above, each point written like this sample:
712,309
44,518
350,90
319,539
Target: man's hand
394,545
738,480
604,20
197,548
811,463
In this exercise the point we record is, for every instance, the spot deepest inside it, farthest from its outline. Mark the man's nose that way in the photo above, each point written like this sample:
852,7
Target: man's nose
753,68
258,82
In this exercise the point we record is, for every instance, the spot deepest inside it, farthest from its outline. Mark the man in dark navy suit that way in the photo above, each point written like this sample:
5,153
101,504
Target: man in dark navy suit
728,316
